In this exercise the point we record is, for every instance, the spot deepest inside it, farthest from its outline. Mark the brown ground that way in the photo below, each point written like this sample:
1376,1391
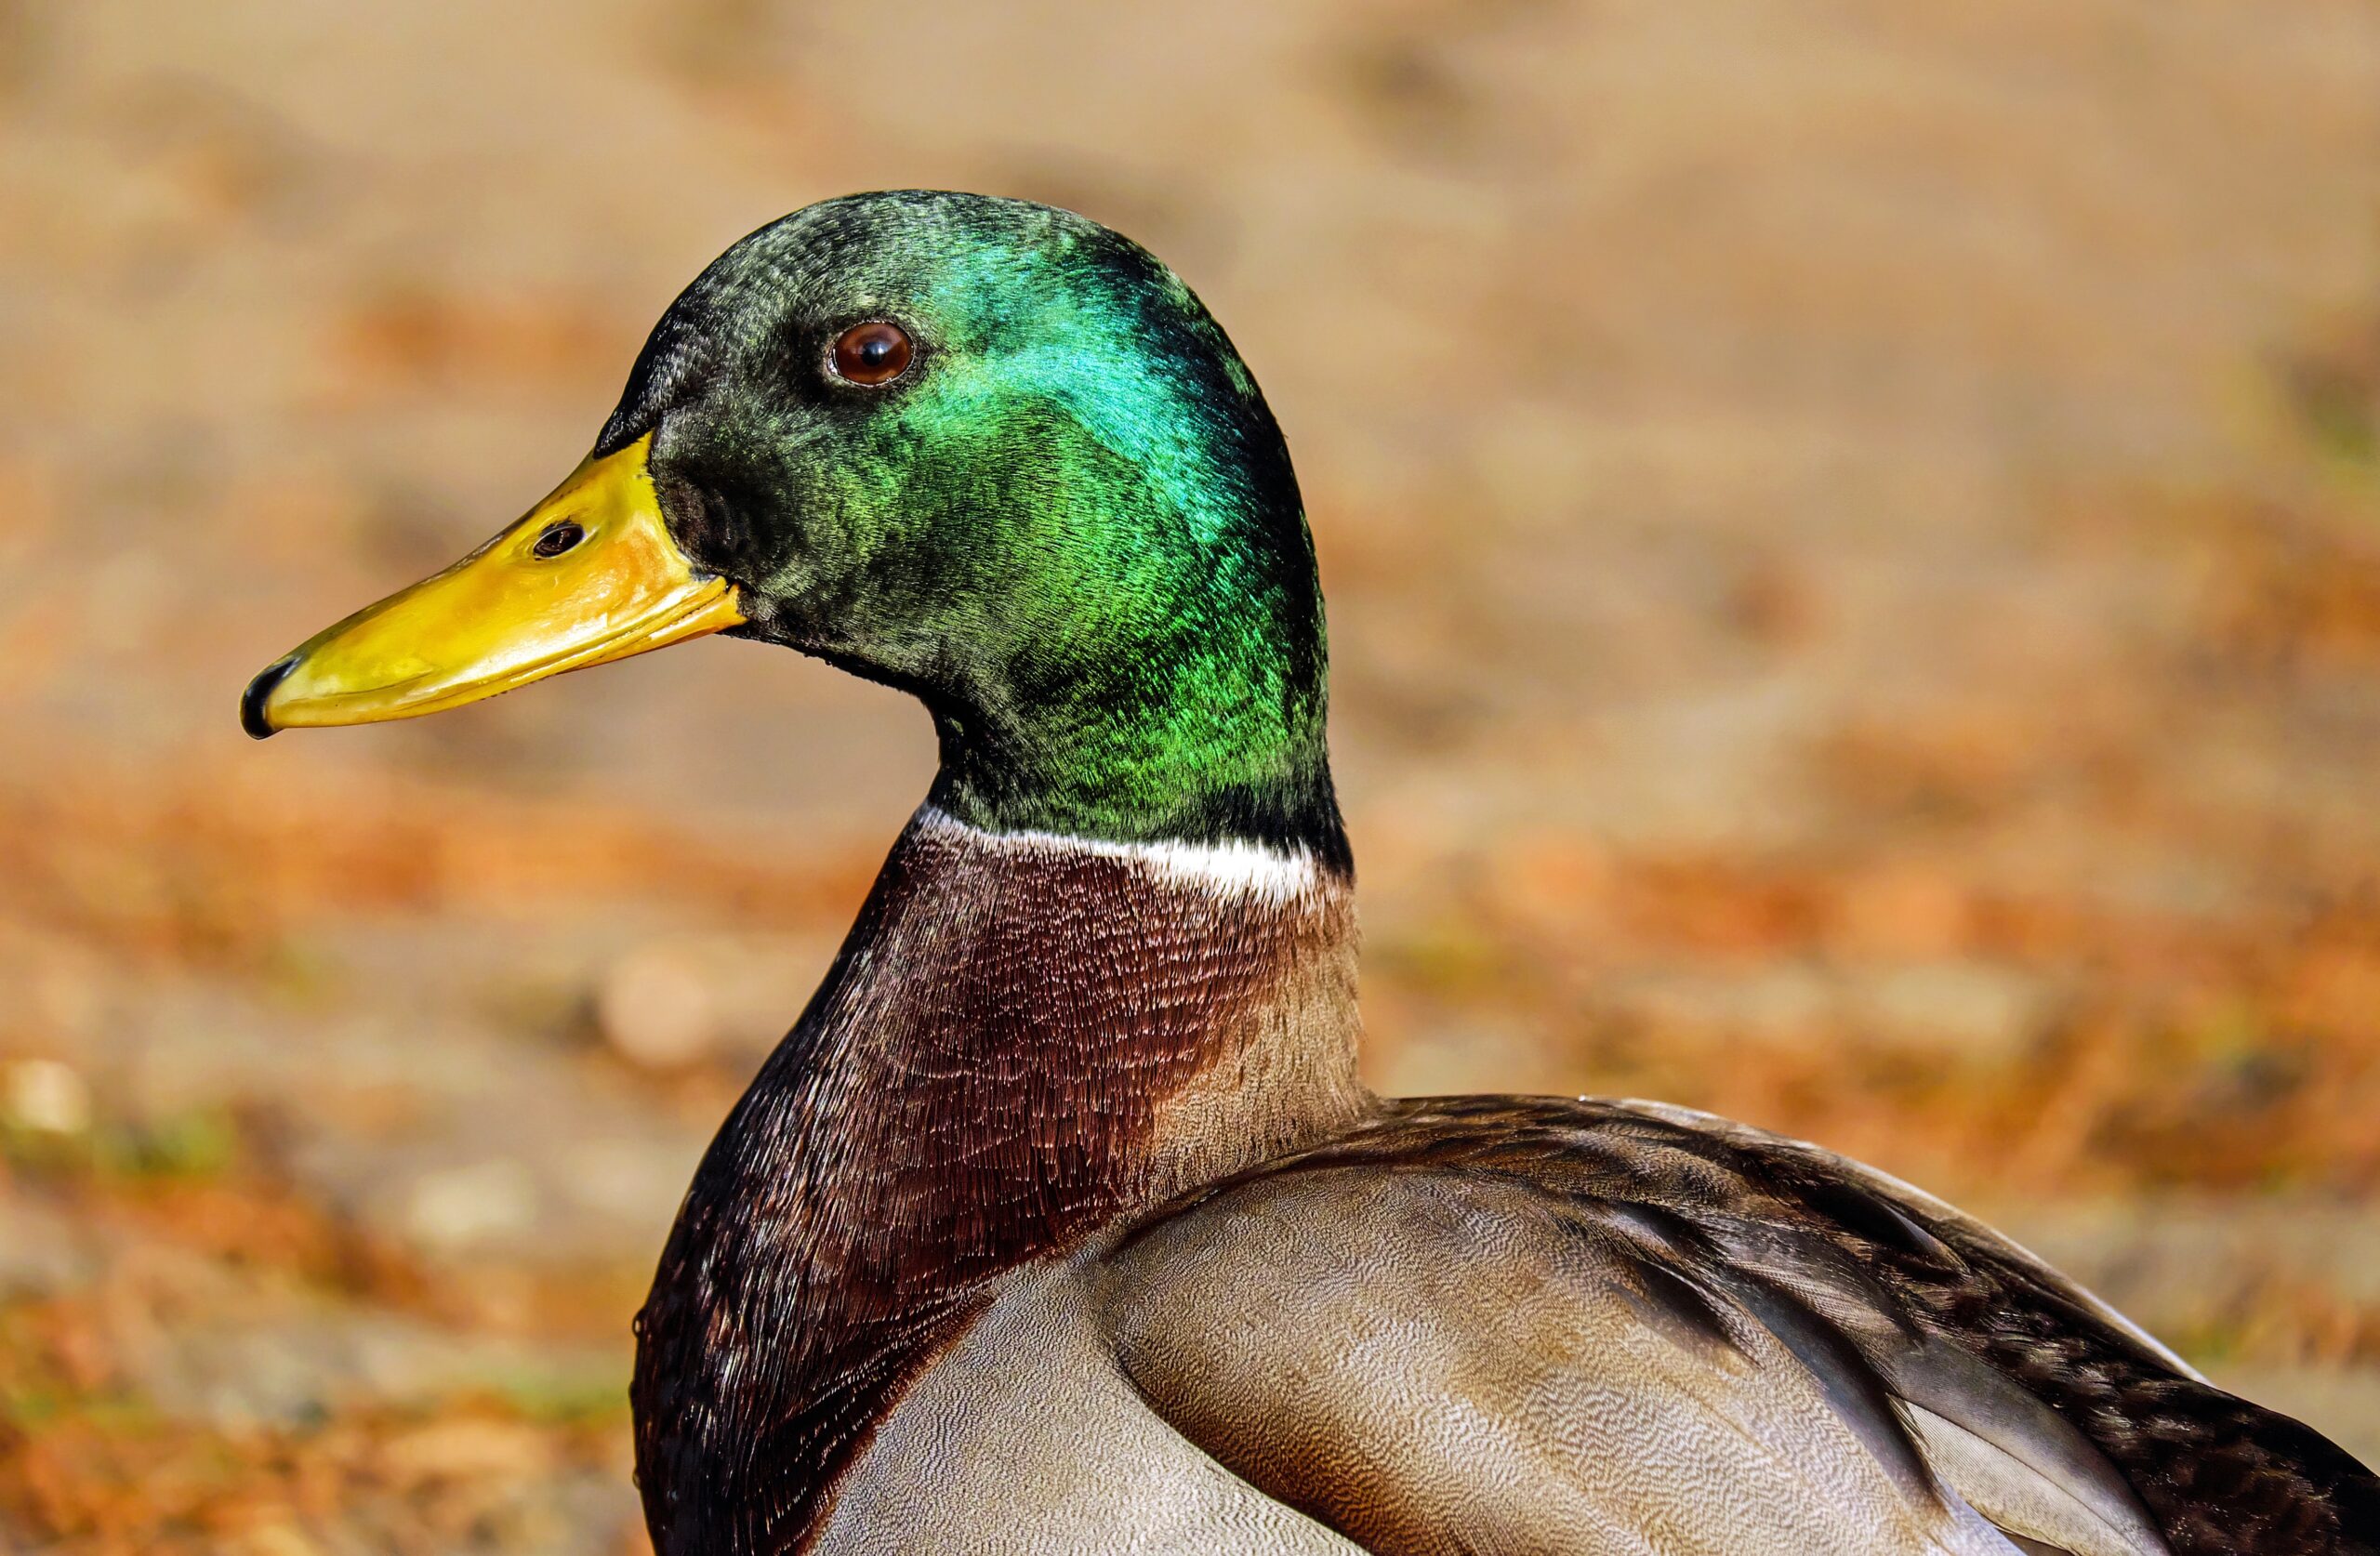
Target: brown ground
1854,534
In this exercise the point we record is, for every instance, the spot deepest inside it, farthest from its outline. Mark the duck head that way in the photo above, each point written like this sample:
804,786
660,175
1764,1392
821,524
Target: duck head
985,451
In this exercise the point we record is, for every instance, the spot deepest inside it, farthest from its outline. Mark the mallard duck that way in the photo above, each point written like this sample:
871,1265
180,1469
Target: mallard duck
1061,1222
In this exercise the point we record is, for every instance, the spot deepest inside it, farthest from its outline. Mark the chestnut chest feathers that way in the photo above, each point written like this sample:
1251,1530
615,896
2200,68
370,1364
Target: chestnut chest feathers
1023,1039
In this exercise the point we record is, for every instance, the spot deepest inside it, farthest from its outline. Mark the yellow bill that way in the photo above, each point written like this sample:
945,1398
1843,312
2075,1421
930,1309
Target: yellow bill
590,576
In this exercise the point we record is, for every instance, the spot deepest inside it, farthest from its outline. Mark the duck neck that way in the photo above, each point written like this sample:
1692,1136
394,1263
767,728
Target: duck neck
1024,1038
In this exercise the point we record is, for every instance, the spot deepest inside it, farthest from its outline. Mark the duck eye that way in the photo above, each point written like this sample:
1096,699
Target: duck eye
872,354
557,539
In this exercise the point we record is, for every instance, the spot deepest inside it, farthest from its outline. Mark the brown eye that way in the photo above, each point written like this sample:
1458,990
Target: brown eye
558,538
873,354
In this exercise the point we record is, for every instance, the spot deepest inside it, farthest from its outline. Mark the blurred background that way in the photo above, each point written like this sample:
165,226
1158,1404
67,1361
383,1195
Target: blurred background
1853,534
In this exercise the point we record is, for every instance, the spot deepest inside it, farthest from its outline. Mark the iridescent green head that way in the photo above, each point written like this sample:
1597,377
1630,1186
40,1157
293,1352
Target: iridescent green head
981,449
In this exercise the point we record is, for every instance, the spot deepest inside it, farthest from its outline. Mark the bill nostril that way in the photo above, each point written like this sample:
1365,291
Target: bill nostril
252,701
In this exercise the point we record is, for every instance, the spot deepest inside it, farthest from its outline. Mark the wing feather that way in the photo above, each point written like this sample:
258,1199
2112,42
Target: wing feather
1509,1325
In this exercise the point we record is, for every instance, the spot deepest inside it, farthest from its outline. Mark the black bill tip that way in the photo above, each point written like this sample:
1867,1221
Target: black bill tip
252,717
